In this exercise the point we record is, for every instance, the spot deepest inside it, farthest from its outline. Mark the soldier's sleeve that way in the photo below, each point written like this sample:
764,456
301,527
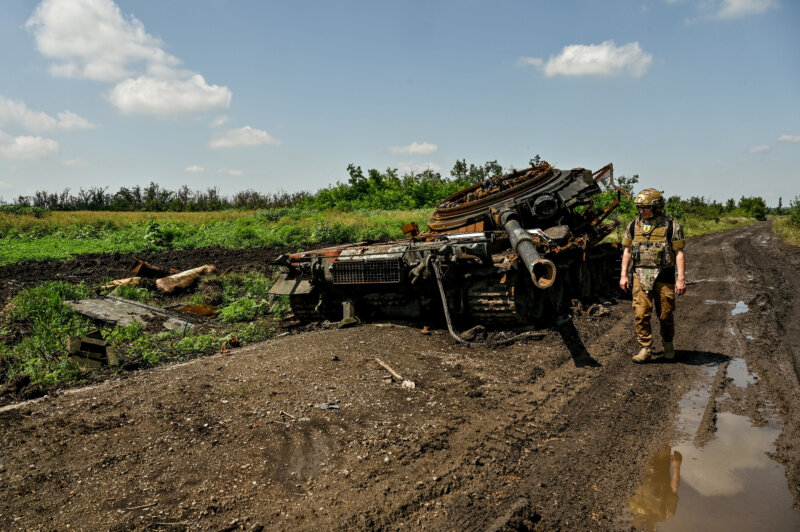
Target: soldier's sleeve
627,240
678,240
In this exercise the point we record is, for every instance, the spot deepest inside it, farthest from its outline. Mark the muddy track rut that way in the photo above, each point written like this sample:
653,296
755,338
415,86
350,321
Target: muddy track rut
303,432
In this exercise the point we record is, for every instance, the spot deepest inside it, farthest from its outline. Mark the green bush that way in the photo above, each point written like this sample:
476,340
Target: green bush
335,232
794,212
42,352
243,309
24,210
134,293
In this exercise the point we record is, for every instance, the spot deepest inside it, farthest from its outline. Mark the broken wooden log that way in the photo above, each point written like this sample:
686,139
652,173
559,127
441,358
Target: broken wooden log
144,269
183,280
406,383
128,281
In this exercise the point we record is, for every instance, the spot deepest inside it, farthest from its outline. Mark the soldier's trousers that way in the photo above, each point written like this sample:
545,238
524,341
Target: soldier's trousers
662,298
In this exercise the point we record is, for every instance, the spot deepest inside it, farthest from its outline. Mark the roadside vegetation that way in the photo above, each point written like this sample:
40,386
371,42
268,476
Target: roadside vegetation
787,226
35,327
370,205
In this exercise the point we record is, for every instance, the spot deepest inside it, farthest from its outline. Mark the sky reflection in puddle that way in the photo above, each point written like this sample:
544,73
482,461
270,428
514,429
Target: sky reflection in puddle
728,484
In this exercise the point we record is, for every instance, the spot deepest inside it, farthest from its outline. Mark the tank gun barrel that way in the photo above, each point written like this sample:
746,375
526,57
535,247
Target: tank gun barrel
542,270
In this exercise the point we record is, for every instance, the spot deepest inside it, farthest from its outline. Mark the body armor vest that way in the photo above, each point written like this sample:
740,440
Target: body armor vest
651,249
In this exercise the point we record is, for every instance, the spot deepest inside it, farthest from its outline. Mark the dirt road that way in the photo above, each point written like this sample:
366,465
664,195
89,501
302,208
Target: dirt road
303,432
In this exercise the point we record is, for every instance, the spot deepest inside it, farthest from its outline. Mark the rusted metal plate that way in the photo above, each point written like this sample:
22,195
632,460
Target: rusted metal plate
123,312
287,287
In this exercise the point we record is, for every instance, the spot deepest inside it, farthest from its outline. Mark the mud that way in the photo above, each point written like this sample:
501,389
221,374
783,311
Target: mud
552,434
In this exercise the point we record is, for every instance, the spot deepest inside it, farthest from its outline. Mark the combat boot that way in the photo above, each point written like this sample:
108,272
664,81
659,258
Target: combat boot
643,355
669,350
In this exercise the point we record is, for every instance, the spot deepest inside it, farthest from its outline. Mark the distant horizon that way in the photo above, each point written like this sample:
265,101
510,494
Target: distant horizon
279,192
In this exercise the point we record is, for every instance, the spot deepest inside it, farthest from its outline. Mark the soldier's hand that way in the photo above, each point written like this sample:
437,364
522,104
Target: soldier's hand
624,283
680,287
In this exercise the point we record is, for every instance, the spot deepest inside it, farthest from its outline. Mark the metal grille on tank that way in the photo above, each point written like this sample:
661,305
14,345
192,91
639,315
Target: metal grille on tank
365,272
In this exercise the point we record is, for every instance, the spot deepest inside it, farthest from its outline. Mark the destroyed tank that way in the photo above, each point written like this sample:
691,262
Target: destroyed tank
515,250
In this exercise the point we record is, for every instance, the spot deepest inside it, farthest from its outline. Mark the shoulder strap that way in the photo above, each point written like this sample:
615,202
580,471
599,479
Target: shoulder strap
632,227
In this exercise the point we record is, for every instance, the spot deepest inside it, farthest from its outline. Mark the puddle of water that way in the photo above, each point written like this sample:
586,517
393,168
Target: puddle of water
729,484
740,308
737,370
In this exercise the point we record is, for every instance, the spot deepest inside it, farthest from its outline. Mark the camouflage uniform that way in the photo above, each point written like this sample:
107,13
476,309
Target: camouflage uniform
653,245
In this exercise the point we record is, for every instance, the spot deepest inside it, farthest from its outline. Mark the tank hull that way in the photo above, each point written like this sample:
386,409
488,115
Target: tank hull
514,252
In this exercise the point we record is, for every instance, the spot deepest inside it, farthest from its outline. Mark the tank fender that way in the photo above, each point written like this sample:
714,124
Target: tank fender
289,287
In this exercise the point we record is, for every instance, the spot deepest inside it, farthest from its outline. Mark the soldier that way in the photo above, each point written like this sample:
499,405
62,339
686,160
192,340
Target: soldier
654,242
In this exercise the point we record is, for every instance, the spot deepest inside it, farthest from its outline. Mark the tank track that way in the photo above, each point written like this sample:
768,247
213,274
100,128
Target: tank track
492,303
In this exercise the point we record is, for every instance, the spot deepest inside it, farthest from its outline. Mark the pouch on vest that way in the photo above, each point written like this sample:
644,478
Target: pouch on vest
647,277
651,256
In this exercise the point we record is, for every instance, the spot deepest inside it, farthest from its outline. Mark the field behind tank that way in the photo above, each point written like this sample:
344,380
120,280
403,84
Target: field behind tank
32,235
57,235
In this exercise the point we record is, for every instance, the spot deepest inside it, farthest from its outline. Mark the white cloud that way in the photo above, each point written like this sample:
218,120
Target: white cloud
195,169
93,39
246,136
416,148
604,59
152,96
417,168
69,120
74,162
4,186
13,111
760,149
26,147
789,138
741,8
218,121
230,172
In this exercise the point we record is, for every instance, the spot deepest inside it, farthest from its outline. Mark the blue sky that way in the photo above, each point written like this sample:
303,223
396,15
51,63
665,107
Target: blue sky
700,98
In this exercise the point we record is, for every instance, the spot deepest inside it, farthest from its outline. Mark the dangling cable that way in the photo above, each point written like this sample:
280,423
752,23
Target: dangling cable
438,270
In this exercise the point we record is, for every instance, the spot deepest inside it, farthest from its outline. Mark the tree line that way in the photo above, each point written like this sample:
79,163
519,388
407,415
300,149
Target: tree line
373,189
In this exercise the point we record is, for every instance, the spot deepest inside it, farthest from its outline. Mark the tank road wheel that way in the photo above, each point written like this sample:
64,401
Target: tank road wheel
600,276
582,287
532,302
541,302
556,294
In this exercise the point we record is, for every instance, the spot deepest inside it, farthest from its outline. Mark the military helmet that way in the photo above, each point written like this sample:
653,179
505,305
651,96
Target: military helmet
650,197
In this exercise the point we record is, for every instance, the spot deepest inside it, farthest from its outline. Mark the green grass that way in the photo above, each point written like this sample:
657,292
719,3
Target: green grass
59,236
693,226
35,327
786,230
